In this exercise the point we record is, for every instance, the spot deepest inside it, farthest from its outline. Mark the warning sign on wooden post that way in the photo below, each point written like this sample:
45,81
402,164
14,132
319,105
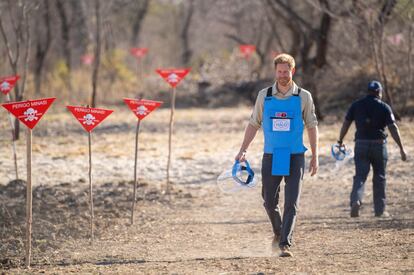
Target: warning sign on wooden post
89,118
7,83
173,76
247,50
138,52
29,113
141,108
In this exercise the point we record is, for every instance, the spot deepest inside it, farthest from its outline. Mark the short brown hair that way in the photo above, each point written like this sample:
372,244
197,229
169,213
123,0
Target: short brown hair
284,58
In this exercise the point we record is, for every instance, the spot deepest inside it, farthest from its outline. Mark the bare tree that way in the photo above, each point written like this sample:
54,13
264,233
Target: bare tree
97,59
43,42
386,11
79,29
376,30
184,37
21,41
262,42
65,33
140,8
292,25
410,91
258,25
307,37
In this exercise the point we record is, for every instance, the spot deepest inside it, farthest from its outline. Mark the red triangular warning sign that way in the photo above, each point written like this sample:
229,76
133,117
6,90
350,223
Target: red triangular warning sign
138,52
87,59
89,118
7,83
173,76
29,112
247,50
143,107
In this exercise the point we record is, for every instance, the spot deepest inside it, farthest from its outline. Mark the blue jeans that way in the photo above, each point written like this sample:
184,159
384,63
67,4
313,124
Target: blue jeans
270,193
367,154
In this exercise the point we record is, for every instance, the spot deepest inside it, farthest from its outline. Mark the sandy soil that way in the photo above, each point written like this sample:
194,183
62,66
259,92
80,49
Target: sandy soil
198,229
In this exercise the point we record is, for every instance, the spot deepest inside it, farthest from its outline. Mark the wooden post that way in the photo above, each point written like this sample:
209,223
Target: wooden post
29,199
141,65
250,67
13,140
135,171
169,139
90,183
139,76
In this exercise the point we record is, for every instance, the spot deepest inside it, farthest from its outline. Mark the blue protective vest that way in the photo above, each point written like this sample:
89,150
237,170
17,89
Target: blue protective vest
283,130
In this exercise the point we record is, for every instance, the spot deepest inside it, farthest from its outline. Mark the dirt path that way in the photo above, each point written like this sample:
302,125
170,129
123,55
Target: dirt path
198,230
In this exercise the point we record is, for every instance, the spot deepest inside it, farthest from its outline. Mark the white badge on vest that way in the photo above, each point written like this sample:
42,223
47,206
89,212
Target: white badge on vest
281,124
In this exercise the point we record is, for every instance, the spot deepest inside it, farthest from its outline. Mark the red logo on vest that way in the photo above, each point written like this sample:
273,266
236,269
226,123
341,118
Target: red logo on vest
7,83
173,76
89,118
247,50
138,52
143,107
281,114
29,112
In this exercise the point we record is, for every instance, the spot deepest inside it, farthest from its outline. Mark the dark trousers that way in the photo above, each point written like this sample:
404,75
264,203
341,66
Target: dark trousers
367,154
270,193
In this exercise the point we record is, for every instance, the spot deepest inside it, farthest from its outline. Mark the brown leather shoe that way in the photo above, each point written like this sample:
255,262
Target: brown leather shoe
384,214
355,209
275,243
285,251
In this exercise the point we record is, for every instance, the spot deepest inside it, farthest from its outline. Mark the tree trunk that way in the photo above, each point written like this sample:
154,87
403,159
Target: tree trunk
408,92
322,38
138,19
292,25
42,47
25,65
97,53
377,35
321,52
310,66
309,70
65,32
79,31
186,51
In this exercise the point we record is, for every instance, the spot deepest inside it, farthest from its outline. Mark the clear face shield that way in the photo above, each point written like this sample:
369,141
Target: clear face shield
238,177
341,154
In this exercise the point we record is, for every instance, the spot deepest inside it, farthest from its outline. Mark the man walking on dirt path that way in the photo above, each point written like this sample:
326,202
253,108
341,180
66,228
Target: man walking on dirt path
371,115
283,111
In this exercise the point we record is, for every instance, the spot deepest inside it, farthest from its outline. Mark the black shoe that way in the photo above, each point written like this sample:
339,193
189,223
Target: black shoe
355,209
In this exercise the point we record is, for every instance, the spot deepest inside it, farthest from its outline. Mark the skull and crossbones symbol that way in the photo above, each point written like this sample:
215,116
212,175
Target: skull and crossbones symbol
89,119
173,78
5,86
30,114
141,110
